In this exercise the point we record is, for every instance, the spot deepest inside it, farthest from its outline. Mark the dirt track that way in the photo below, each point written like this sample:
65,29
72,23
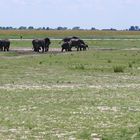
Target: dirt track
27,50
30,51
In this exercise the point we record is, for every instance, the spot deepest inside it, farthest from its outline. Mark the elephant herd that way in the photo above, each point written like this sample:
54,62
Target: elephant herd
67,44
43,44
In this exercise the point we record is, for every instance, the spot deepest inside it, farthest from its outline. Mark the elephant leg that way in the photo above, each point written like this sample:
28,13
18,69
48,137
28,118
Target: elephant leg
69,48
77,48
36,48
1,49
46,49
7,48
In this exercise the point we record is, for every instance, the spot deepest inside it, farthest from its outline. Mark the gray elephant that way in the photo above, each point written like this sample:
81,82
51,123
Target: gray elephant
82,47
41,44
65,46
4,45
77,43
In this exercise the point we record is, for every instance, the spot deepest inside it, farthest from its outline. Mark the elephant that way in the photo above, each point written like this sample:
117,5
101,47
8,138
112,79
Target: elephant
4,45
67,39
39,44
65,46
82,47
78,43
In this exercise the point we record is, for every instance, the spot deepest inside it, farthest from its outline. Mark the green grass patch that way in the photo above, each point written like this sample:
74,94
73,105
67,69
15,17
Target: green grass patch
74,95
118,68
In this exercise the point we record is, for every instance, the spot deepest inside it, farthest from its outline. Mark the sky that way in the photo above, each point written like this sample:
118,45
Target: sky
101,14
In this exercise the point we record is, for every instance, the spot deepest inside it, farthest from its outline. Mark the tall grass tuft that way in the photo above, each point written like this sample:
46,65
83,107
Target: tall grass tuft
77,67
130,65
118,69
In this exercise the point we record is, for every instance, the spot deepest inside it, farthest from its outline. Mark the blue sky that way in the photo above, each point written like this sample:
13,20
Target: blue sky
120,14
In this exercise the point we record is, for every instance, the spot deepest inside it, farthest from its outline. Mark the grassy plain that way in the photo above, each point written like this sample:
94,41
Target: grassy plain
72,96
95,44
87,34
55,34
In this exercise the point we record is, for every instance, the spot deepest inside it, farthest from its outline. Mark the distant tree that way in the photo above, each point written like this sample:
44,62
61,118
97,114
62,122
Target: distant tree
8,28
76,28
30,27
134,28
61,28
47,28
93,28
43,28
3,28
39,28
112,29
22,28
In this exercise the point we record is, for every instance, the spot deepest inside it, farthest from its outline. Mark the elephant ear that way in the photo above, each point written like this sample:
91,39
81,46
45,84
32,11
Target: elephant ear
47,41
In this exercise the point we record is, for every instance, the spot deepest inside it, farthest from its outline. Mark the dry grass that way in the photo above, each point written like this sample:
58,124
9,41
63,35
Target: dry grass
60,34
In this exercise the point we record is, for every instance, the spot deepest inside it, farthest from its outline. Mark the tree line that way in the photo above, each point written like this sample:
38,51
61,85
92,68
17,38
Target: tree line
38,28
132,28
42,28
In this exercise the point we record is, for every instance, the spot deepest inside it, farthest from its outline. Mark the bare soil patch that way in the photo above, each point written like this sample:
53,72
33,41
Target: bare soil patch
30,51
